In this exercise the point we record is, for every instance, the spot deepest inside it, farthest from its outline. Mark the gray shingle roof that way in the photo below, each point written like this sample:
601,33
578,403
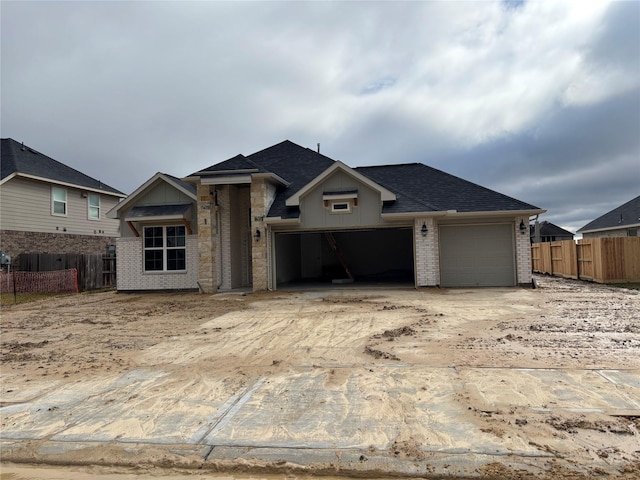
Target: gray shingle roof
19,158
157,210
624,215
419,188
548,229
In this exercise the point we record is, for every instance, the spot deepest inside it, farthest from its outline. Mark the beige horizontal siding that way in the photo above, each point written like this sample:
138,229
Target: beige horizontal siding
25,205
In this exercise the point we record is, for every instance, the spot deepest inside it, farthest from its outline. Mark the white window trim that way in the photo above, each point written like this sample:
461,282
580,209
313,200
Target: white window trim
164,249
53,202
340,210
89,206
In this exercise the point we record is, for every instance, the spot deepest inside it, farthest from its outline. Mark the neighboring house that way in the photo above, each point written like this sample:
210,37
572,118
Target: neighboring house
158,246
623,221
548,232
48,207
288,214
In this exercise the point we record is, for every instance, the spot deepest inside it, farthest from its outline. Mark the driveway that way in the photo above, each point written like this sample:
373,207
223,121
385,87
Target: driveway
502,383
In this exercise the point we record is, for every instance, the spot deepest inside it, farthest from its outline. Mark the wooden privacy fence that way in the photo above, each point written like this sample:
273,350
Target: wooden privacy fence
602,260
94,271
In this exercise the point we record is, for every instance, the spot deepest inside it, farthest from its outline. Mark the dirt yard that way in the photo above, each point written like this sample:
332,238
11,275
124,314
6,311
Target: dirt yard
573,327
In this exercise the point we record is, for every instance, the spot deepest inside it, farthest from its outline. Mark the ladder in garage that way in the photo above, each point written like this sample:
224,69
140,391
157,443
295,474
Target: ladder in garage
334,246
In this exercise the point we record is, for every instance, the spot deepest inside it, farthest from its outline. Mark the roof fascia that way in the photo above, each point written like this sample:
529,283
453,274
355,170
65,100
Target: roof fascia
66,184
273,177
239,171
607,229
7,178
294,200
226,180
455,213
113,213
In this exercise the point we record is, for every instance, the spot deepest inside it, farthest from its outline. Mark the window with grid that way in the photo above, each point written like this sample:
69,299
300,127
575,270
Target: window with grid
165,248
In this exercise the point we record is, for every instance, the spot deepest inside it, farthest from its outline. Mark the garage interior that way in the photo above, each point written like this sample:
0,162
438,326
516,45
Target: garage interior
375,256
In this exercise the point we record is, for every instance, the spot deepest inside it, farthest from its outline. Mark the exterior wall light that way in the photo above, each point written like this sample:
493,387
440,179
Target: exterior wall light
522,227
424,230
257,235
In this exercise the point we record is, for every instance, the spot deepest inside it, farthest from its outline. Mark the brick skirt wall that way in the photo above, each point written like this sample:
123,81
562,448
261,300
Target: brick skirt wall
14,243
131,277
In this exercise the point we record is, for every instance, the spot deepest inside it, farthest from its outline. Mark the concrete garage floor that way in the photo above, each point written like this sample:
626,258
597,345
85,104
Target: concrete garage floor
488,383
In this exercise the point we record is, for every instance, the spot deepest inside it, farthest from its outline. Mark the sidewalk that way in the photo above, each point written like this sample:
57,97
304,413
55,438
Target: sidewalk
314,419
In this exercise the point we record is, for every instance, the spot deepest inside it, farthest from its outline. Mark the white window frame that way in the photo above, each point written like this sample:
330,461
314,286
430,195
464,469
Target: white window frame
89,206
64,202
164,248
336,203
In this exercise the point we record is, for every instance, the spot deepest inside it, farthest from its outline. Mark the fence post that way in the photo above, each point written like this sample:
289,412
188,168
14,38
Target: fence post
13,279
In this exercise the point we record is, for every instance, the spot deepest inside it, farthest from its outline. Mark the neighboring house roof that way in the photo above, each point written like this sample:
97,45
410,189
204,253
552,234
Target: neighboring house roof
548,229
20,160
626,215
187,188
417,187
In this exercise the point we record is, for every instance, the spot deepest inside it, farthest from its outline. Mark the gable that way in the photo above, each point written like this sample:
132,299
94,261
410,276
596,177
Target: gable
385,194
340,200
161,189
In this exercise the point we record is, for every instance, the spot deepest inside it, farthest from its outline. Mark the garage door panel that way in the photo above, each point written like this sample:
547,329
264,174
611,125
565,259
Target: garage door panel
477,255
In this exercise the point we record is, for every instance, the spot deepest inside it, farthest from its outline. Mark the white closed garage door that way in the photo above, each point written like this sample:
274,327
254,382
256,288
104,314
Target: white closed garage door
477,255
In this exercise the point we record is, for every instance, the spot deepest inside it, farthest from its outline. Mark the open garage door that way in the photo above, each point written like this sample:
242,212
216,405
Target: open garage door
477,255
373,255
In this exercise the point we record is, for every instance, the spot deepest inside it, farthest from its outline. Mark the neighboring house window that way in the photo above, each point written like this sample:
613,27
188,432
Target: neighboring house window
632,232
340,207
58,201
94,206
164,248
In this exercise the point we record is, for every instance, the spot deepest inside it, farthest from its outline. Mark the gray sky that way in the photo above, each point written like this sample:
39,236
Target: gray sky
539,100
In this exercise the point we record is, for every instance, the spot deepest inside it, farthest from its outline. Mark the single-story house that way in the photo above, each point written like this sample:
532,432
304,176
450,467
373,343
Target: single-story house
548,232
622,221
158,245
288,214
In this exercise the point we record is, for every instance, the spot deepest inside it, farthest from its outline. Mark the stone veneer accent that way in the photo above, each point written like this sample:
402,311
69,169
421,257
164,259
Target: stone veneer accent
259,203
14,243
207,255
131,277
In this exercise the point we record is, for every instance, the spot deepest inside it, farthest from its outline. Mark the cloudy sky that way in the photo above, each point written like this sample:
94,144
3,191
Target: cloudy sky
539,100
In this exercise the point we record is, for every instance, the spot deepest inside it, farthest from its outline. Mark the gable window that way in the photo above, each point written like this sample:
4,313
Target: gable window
340,207
58,201
165,248
340,201
93,202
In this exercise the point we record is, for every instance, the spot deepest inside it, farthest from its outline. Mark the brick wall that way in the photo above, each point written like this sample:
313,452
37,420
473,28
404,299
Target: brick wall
223,238
14,243
523,252
130,274
427,260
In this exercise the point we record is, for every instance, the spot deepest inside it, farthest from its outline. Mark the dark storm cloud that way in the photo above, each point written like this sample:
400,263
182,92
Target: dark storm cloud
538,100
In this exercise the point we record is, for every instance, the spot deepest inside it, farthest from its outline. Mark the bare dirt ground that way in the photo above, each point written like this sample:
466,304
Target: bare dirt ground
574,327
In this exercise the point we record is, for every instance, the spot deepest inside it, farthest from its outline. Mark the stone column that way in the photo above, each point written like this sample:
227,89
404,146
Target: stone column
207,268
259,194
